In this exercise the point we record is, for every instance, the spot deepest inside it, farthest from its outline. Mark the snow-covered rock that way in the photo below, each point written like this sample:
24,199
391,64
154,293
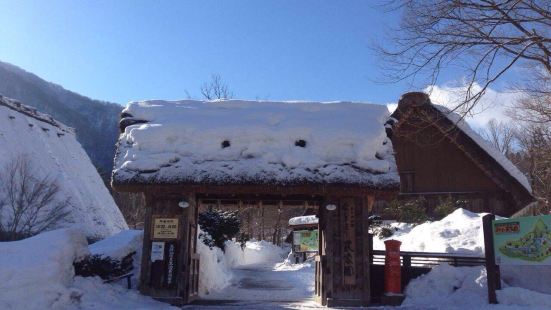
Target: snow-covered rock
36,273
53,151
254,141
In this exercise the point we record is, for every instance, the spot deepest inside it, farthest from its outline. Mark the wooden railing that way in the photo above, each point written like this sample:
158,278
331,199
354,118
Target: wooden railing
427,259
193,285
413,265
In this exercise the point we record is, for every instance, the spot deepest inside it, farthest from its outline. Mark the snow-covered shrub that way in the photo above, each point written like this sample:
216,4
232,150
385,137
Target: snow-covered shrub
103,266
447,206
220,227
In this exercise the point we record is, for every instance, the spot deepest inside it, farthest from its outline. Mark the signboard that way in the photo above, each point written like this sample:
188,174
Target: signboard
523,240
165,228
305,240
170,279
349,244
157,251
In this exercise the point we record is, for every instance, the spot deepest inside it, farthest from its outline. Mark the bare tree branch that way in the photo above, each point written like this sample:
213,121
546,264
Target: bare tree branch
216,88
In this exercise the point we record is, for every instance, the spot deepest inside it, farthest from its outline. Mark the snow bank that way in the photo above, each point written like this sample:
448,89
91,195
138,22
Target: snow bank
214,272
94,294
459,232
446,285
255,141
303,220
53,151
466,287
35,273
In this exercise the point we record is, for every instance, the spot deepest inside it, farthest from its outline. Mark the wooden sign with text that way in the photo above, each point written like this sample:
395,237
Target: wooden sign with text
165,228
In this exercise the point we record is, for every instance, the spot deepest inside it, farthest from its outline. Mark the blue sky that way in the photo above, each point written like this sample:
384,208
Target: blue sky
274,49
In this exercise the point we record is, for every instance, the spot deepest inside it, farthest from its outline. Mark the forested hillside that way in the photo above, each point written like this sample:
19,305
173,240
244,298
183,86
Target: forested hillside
95,121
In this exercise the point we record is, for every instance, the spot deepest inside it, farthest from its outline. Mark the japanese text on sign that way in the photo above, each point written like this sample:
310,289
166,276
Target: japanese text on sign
165,228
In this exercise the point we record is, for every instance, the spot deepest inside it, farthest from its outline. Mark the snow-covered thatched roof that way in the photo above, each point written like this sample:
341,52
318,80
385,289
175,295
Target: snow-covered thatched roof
53,151
260,142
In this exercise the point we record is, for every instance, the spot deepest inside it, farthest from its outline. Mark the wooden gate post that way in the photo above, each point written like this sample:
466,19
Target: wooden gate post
168,248
492,270
345,259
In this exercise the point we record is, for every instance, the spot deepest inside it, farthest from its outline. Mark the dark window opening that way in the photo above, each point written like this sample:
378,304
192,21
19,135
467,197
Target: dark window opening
300,143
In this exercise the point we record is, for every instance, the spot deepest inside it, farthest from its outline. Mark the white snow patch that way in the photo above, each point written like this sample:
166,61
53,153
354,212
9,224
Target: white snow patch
120,245
303,220
53,151
36,273
214,271
184,141
459,232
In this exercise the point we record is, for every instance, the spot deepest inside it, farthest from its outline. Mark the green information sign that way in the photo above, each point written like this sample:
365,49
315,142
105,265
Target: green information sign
305,240
523,240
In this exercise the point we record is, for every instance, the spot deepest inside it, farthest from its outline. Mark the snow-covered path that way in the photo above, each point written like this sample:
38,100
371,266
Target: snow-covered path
269,282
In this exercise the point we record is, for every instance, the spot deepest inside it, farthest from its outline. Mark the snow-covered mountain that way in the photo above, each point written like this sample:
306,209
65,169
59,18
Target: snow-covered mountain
52,150
95,122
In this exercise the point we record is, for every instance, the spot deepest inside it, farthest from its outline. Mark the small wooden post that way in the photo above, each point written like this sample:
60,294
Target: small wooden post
492,270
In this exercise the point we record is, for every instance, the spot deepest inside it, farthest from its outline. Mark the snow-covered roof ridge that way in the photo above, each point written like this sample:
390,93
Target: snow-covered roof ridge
238,141
32,112
491,150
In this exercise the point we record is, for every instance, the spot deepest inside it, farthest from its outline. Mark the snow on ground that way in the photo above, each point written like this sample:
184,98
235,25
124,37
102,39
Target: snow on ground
52,150
448,287
255,141
258,271
258,276
445,286
261,272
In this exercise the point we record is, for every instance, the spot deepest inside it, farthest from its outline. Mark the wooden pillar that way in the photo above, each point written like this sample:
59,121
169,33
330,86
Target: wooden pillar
492,270
345,252
169,245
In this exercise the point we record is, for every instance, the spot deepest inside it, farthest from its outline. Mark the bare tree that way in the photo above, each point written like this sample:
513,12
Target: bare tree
501,135
132,206
535,107
485,37
216,88
535,142
28,204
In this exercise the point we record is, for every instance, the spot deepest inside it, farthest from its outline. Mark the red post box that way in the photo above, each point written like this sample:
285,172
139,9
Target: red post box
393,281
